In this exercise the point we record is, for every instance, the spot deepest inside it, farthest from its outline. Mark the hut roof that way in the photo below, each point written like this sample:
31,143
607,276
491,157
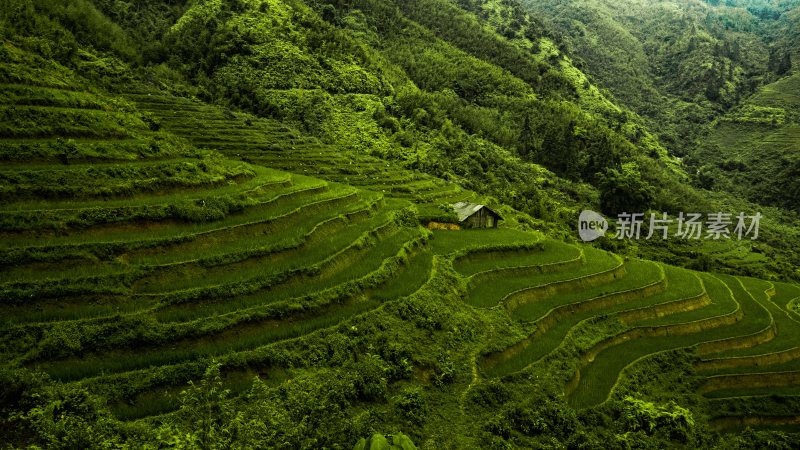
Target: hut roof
466,209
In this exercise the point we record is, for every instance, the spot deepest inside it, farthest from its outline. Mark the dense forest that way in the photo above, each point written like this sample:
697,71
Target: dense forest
213,223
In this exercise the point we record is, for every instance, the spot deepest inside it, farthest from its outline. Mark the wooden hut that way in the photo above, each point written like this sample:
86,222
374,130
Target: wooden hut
473,215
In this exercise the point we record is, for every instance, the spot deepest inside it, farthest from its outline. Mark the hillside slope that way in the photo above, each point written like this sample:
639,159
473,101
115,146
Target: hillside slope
277,292
178,271
753,149
678,64
469,102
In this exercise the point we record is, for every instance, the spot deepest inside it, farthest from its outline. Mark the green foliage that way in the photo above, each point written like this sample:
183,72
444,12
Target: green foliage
624,190
675,422
377,441
54,416
207,210
765,439
412,405
543,416
205,411
57,29
443,213
133,258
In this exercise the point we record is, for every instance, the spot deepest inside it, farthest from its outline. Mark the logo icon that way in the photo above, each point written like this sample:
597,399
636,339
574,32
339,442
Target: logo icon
591,225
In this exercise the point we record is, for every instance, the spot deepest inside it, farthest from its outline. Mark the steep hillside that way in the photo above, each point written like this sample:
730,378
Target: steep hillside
753,149
212,237
679,63
690,69
319,312
354,75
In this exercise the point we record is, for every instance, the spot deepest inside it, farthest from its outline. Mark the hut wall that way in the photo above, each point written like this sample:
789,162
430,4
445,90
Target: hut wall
481,219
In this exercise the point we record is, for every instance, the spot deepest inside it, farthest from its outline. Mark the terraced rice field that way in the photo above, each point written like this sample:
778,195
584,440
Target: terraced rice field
741,329
268,142
128,250
146,235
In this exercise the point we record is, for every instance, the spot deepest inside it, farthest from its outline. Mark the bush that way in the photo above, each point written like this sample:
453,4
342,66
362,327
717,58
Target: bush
490,394
55,416
624,190
671,420
411,405
377,441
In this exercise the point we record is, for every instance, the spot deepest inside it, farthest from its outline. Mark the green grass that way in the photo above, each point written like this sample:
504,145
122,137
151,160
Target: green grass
251,184
281,290
782,93
487,294
784,298
228,267
44,121
116,180
599,377
142,385
278,203
285,262
251,334
500,259
788,366
237,339
721,305
117,239
769,403
151,146
638,274
286,257
787,326
157,403
375,276
147,404
295,235
411,277
78,308
449,242
169,253
21,94
777,381
743,393
311,221
546,338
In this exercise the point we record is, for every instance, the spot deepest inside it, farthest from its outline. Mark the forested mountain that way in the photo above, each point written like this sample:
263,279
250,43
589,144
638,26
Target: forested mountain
232,193
752,149
679,63
354,72
488,101
709,80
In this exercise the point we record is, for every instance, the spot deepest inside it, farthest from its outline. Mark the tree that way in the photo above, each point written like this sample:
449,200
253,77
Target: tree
784,65
624,190
527,139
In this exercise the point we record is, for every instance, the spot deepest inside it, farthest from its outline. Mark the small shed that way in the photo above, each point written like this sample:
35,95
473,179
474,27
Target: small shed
473,215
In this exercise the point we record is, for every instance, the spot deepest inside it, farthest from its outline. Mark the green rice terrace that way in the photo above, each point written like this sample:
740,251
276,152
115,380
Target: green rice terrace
150,241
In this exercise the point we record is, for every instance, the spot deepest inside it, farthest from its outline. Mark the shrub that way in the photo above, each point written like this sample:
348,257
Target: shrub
412,405
371,381
675,422
208,209
624,190
399,441
490,394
